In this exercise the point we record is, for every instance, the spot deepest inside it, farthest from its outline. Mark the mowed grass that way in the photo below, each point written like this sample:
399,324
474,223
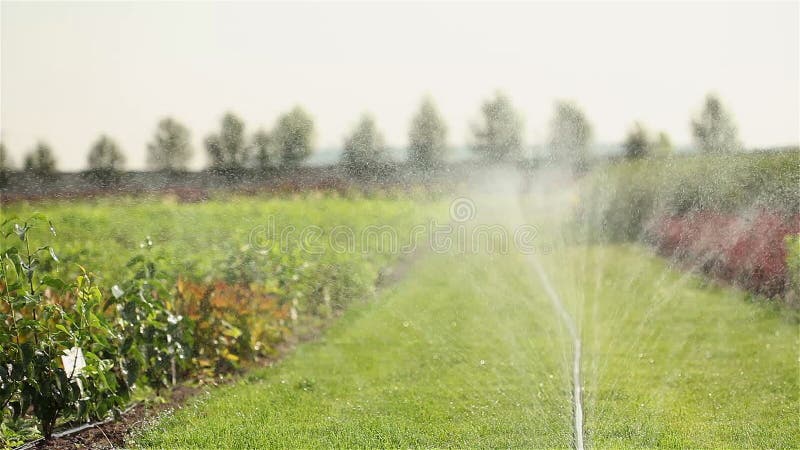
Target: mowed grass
464,352
675,362
670,360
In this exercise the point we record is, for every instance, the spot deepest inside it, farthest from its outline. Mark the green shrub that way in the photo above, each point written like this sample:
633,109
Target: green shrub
55,354
620,199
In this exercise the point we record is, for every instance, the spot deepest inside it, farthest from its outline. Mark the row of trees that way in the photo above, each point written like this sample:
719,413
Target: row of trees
497,137
287,145
170,149
714,132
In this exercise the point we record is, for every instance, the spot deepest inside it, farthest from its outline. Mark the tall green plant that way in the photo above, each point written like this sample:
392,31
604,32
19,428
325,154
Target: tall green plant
52,351
152,335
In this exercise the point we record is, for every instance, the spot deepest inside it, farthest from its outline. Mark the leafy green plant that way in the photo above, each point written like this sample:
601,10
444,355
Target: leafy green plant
103,385
58,354
36,379
153,337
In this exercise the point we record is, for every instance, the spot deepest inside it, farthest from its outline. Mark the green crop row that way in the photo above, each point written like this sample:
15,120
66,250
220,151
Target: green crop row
132,294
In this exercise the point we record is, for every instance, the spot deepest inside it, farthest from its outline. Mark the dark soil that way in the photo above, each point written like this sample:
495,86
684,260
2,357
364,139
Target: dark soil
113,434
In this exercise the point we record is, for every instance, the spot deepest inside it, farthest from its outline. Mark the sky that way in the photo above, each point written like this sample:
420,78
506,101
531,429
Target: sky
72,71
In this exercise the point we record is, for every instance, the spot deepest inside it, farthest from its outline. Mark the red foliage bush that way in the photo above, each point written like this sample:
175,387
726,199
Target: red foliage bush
230,323
748,250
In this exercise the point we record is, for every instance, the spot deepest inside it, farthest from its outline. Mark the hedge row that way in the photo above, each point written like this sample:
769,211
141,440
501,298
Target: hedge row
730,215
752,251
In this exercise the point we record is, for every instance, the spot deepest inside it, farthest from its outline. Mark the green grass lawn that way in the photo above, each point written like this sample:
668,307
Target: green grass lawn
672,362
467,351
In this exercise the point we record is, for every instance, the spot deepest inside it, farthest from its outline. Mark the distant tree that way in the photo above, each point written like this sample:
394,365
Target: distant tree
264,155
5,159
227,150
170,149
105,161
637,144
427,137
213,146
105,154
5,165
499,136
364,153
293,137
714,130
41,163
570,134
663,145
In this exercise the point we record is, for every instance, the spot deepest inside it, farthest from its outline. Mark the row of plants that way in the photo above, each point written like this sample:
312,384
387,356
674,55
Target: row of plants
752,251
205,239
730,216
86,330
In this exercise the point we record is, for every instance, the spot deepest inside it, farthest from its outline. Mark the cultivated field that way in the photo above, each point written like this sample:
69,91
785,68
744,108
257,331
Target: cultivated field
457,346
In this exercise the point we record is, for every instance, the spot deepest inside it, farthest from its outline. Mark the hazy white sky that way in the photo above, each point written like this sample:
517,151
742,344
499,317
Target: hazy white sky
73,71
